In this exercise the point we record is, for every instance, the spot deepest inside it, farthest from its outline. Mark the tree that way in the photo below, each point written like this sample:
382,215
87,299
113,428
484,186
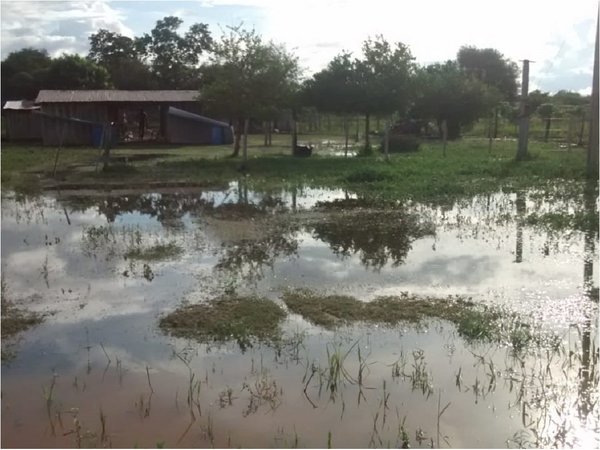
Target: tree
334,89
174,57
383,79
489,66
492,68
106,47
247,77
119,56
75,72
536,99
22,74
445,92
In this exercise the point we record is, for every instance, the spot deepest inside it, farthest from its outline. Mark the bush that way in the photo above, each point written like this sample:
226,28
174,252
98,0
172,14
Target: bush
365,151
402,143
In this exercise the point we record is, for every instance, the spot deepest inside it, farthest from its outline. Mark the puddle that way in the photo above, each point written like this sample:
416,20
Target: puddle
104,270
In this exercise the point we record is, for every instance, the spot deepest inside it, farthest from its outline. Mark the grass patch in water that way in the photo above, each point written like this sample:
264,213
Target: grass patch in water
243,319
473,322
14,321
155,253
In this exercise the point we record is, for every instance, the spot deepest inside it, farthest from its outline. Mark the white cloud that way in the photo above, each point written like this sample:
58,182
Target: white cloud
558,36
56,26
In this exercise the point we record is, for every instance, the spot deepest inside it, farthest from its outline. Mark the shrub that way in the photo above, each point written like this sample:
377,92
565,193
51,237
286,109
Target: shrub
402,143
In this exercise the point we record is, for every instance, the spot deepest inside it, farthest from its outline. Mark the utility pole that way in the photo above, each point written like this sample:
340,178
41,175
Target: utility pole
524,113
592,159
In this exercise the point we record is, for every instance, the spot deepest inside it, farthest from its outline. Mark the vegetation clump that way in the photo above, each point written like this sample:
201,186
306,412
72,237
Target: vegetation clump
243,319
14,321
473,323
155,253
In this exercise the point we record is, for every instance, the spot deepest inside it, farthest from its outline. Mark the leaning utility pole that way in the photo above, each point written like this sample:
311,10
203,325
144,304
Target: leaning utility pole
592,157
524,114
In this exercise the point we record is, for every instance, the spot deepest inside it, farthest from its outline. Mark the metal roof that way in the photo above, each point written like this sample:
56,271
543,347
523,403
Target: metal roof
195,117
106,95
20,105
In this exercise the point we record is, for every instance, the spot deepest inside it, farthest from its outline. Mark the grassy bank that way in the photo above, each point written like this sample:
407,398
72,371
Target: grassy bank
467,168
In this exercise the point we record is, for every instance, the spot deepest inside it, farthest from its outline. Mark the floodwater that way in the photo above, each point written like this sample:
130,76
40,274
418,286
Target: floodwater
98,371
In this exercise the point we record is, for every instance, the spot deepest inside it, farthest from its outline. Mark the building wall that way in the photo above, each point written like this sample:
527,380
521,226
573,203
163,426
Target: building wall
81,134
73,133
22,125
184,131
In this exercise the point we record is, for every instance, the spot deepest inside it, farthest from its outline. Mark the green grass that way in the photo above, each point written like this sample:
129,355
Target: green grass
243,319
467,169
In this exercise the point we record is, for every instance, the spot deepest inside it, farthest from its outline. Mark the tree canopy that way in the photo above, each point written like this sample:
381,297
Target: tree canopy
445,92
247,76
492,68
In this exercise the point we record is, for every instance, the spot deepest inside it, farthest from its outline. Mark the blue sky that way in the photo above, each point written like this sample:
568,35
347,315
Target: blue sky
558,36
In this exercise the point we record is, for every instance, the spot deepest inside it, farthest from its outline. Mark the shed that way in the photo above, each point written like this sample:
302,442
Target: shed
184,127
118,106
21,124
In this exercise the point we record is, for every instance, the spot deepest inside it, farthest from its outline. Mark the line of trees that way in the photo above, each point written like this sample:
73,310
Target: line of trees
241,76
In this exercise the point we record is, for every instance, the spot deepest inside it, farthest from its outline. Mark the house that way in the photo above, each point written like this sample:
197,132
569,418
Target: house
184,127
20,122
91,109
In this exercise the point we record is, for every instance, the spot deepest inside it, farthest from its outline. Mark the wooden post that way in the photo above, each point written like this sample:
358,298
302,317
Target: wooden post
592,157
569,133
524,114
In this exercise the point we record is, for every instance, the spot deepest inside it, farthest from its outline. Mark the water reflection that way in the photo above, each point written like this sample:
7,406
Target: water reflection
376,236
521,210
236,234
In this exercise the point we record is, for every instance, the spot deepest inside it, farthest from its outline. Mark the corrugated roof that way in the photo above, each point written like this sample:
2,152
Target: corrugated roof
106,95
20,105
195,117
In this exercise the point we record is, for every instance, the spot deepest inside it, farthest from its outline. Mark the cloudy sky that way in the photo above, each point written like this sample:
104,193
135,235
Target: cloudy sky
557,35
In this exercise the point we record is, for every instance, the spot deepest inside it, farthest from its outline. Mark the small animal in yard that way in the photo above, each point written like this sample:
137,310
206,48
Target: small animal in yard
303,150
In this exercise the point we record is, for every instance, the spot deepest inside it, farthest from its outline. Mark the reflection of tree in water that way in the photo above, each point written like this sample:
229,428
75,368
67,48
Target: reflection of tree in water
247,258
378,236
168,209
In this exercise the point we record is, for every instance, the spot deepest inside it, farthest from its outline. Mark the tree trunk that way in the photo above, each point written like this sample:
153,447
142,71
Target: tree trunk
266,132
245,146
496,112
346,133
294,132
445,134
547,132
270,133
237,138
387,140
356,139
367,140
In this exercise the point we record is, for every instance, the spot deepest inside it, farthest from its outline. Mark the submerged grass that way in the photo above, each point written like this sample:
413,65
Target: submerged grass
244,319
473,322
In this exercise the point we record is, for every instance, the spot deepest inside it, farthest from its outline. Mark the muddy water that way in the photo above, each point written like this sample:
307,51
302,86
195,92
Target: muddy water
98,371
